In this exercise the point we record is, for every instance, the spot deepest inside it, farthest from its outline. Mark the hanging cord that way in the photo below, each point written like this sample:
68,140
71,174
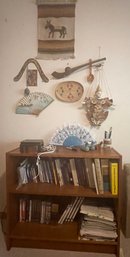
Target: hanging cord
106,84
103,83
46,149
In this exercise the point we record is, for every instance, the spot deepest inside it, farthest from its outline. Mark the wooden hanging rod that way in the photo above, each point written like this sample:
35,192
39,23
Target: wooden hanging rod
68,70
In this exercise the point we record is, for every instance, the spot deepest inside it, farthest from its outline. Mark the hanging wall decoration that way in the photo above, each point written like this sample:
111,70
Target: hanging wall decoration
31,78
33,103
56,28
25,65
97,102
68,70
69,91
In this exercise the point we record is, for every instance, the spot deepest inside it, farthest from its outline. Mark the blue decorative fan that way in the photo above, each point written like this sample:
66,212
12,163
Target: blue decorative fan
33,103
72,135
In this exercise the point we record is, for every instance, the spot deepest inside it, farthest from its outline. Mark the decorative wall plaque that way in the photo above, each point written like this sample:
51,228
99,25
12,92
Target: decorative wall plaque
31,78
69,91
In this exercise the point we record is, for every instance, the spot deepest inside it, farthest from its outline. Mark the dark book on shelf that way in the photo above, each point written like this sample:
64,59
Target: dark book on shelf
105,174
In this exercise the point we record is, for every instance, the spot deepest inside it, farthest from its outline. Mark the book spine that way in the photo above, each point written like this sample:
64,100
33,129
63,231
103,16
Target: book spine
74,172
89,173
71,209
105,174
76,208
59,173
64,214
114,178
99,175
43,210
94,177
54,172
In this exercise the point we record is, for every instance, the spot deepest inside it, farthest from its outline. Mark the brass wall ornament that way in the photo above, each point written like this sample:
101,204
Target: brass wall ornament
97,107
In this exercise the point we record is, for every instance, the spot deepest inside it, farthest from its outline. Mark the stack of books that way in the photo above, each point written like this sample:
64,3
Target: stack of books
97,223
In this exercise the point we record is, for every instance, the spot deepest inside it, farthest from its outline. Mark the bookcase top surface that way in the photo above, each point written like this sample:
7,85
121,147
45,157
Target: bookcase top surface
64,152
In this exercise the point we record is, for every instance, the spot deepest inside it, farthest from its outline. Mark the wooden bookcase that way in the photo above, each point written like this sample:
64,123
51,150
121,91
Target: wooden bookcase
57,236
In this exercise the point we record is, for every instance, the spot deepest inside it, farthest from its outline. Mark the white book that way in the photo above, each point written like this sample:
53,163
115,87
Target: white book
68,218
99,175
76,208
64,214
95,178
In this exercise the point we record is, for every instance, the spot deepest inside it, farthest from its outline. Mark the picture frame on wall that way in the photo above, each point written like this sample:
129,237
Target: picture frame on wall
56,29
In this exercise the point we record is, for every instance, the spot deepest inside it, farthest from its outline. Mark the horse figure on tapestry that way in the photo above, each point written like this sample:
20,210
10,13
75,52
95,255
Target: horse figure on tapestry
52,29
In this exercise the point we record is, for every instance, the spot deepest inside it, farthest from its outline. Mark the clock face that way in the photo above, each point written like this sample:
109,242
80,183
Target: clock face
69,91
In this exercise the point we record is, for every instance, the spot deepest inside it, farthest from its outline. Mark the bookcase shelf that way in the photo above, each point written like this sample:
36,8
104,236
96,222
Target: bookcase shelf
53,235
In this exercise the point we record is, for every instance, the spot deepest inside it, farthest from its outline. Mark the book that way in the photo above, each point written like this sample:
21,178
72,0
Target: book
99,175
40,170
48,212
89,171
43,211
94,177
102,212
30,210
22,210
54,172
71,210
64,214
49,171
114,177
68,218
76,208
45,171
59,172
105,174
54,211
35,210
81,173
74,172
65,171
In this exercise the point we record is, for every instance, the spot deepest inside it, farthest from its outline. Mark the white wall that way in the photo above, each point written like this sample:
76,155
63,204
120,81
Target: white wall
102,23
